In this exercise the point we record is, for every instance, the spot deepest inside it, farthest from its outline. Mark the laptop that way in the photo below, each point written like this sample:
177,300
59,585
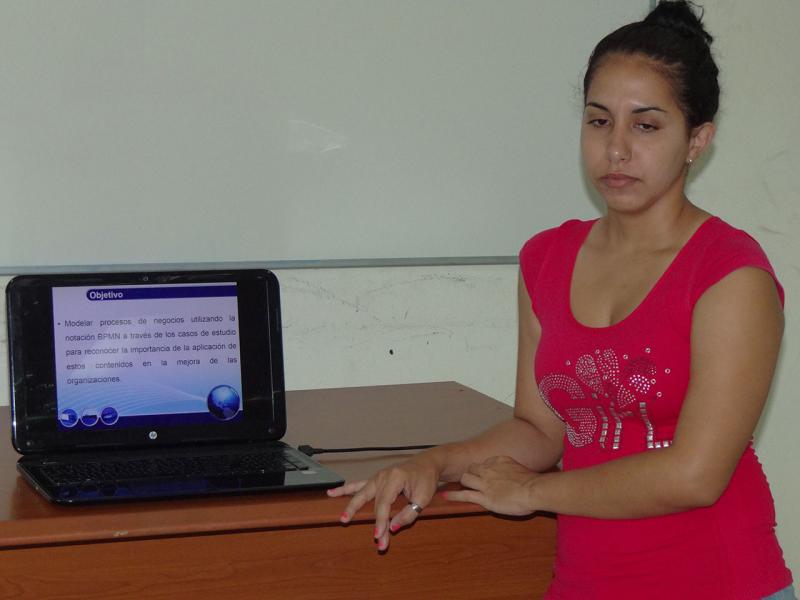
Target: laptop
131,386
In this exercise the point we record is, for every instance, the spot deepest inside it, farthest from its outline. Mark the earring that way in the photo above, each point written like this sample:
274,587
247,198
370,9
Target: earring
689,161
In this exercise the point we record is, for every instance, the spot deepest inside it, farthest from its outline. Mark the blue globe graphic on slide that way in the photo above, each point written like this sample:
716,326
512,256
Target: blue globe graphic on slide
223,402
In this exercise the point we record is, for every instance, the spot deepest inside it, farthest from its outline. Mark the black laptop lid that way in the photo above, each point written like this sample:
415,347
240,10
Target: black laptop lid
130,360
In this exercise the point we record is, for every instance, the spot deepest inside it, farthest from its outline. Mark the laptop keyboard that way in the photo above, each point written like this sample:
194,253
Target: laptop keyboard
273,460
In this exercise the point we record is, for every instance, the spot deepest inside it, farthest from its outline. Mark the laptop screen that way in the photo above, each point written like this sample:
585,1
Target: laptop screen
131,359
147,355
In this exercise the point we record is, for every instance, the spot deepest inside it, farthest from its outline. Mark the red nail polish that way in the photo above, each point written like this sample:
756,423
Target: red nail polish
394,528
376,533
443,495
344,517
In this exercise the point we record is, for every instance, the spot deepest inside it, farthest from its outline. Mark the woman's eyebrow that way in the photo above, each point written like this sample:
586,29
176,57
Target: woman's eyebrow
636,111
642,109
597,105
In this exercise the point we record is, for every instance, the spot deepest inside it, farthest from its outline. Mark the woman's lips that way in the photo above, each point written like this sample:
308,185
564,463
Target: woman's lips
617,180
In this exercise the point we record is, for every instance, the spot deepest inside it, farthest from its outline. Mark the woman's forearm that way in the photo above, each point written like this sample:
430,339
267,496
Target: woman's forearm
515,438
642,485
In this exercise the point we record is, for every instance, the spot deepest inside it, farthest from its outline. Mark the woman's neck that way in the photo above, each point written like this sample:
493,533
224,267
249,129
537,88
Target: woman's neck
659,228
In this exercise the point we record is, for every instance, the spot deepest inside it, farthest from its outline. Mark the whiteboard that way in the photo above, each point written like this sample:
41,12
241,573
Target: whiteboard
139,131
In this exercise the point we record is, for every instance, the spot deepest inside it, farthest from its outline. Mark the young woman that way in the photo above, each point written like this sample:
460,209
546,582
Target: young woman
647,344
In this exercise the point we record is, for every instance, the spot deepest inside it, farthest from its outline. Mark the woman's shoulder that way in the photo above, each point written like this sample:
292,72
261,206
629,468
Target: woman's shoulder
541,242
725,242
537,250
723,249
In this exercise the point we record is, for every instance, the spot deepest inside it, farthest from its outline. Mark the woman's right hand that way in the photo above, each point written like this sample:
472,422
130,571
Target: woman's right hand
416,479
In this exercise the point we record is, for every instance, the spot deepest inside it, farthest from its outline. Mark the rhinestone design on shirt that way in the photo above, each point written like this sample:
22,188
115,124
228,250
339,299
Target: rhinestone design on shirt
602,394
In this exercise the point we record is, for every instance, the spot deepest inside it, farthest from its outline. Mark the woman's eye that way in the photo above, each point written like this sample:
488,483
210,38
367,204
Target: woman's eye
646,126
598,122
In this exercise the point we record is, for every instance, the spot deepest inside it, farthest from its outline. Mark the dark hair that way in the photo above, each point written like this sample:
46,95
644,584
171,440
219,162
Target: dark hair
673,37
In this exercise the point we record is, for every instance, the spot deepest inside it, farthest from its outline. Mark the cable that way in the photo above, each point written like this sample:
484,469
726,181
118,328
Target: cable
310,450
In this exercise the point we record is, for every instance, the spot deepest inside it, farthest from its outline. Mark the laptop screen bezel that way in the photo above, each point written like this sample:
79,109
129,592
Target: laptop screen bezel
29,304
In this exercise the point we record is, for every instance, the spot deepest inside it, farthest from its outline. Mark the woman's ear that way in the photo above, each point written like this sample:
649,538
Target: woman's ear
699,139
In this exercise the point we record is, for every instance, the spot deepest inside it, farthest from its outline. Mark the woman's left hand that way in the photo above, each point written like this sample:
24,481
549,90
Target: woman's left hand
499,484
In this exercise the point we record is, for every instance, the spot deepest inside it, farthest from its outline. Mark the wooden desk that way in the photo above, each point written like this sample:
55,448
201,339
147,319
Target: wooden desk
288,545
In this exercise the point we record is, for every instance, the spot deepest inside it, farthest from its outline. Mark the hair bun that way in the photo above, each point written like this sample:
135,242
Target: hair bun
679,16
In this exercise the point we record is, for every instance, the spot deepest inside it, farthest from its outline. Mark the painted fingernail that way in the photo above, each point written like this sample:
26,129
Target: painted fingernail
443,495
394,528
376,534
344,517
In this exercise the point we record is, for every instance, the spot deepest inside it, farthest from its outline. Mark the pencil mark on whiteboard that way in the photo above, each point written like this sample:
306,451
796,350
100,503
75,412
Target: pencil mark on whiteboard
770,230
309,138
428,278
320,292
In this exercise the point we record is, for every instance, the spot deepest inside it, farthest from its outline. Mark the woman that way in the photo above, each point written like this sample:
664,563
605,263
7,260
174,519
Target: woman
648,339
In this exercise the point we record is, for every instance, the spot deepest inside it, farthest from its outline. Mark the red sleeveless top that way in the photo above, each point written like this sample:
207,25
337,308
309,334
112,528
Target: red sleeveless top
619,391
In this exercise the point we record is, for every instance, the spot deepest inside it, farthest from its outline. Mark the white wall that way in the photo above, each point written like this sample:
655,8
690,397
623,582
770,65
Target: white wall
750,179
459,322
285,129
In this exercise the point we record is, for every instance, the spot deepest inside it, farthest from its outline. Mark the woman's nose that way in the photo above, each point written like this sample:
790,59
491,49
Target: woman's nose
618,149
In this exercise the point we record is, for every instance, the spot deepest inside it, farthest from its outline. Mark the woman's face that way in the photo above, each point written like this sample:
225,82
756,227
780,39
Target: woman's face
635,140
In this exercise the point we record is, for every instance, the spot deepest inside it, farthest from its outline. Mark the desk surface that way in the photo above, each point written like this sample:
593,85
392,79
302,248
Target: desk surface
287,545
367,416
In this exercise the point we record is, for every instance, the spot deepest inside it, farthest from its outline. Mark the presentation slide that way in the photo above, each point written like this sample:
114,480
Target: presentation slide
147,355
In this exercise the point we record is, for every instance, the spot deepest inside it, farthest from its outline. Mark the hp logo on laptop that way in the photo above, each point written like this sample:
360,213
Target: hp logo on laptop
152,435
